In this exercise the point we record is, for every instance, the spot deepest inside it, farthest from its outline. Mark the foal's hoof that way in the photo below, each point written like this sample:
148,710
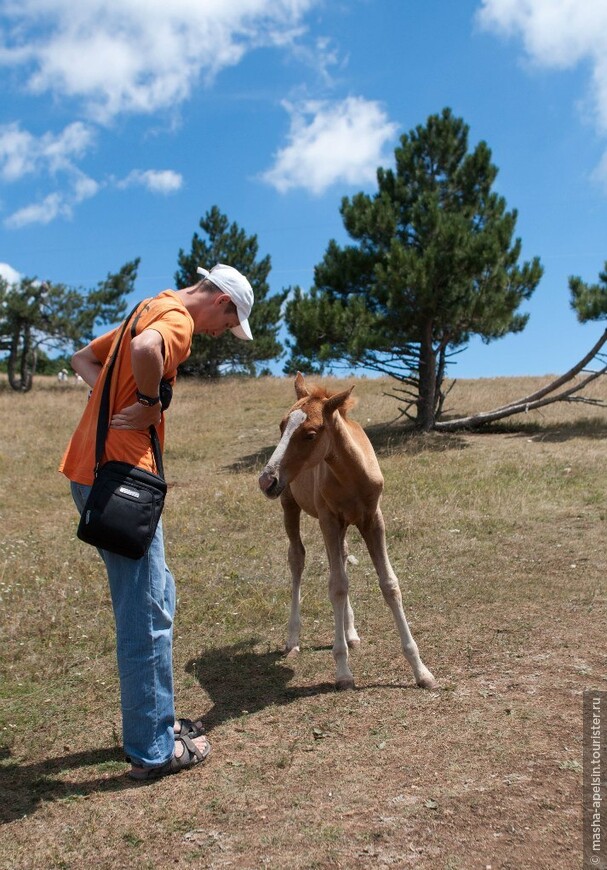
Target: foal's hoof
343,685
354,643
427,682
291,652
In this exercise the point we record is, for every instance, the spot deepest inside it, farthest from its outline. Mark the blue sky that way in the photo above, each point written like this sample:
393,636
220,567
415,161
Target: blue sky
122,123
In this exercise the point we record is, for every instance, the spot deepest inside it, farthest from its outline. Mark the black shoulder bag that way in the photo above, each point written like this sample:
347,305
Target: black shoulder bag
125,502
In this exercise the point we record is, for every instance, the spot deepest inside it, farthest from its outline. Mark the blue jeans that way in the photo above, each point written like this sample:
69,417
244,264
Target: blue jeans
143,598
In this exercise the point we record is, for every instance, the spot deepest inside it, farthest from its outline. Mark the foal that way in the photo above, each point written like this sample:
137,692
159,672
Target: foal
325,465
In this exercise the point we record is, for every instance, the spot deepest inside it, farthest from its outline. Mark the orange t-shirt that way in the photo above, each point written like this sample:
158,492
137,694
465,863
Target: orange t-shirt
165,313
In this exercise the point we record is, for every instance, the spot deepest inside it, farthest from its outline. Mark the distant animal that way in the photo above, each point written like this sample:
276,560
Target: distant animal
325,465
62,375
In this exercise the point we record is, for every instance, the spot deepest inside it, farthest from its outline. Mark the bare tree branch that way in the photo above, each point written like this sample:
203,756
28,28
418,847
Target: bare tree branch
539,399
554,385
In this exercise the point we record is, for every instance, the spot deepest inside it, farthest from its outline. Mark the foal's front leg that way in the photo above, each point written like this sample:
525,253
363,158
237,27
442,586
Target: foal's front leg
333,534
296,557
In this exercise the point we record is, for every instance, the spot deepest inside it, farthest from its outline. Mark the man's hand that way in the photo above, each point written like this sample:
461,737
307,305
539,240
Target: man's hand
136,417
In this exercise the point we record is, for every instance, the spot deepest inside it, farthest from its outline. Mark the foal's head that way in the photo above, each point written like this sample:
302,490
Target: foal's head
303,435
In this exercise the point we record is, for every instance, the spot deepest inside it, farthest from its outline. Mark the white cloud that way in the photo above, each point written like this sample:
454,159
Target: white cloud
83,187
57,204
23,154
10,275
558,34
43,212
16,157
163,181
600,172
331,142
137,56
321,56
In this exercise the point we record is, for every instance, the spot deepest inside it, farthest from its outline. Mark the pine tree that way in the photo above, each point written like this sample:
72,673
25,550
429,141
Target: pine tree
589,300
433,263
228,243
36,315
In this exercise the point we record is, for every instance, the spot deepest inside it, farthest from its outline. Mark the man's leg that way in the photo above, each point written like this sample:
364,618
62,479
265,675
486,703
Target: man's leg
143,598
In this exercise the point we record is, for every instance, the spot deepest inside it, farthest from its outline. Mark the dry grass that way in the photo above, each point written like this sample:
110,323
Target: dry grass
499,542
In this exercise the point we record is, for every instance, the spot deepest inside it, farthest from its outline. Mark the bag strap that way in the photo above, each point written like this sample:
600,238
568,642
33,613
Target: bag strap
103,421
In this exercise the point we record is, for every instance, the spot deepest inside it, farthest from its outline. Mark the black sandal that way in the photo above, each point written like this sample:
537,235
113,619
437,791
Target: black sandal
190,756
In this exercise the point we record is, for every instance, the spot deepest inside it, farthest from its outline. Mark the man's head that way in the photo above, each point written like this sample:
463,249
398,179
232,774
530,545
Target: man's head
231,282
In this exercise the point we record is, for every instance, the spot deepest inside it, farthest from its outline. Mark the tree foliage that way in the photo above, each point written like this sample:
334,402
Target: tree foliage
36,315
589,300
434,261
228,243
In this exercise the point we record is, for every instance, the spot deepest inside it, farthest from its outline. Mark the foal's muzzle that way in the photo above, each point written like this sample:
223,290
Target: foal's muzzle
269,483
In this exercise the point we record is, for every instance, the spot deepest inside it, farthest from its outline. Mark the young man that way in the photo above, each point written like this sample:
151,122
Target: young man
154,344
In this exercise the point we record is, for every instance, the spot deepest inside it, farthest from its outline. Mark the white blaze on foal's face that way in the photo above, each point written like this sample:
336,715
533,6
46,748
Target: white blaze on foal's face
294,452
294,421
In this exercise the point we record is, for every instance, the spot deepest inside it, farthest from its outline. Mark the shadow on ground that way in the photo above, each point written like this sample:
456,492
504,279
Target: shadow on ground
591,429
251,462
26,785
387,439
238,680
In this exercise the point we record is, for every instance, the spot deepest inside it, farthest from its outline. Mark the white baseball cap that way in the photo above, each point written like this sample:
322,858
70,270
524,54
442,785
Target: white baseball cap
232,282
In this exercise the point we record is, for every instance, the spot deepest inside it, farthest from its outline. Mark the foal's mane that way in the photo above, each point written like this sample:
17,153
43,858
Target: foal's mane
318,392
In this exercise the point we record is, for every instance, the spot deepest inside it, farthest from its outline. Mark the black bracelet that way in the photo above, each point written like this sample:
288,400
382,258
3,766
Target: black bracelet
149,401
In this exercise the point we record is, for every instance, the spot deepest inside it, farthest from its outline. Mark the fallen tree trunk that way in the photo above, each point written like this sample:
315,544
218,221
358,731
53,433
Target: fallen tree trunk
545,396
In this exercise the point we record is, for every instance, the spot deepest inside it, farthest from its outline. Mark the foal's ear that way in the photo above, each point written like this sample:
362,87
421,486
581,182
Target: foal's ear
334,402
301,390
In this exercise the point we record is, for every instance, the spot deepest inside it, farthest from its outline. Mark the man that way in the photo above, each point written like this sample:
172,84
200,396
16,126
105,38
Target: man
156,342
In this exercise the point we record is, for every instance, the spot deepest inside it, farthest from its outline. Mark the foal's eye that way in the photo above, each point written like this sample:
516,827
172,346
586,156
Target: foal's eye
310,435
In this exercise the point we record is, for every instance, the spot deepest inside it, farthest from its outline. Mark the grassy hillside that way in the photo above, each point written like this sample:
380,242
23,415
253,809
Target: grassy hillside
498,539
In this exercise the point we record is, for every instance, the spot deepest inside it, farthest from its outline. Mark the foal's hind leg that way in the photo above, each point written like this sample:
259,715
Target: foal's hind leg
352,638
333,533
375,538
297,556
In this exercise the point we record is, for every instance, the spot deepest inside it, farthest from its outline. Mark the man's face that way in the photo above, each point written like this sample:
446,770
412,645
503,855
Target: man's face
217,316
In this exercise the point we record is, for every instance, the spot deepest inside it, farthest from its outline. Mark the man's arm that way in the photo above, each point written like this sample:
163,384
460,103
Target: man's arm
86,364
147,362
